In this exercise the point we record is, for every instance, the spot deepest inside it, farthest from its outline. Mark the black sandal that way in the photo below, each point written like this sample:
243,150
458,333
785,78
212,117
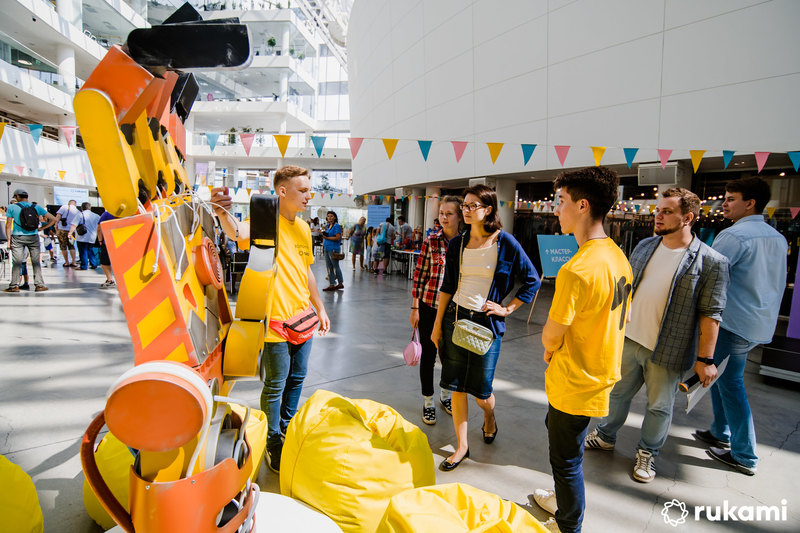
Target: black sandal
488,438
447,466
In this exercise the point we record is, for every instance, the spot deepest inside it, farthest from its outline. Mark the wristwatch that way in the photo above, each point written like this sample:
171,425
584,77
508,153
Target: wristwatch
706,360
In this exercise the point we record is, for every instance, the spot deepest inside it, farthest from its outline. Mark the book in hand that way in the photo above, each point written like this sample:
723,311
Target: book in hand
694,389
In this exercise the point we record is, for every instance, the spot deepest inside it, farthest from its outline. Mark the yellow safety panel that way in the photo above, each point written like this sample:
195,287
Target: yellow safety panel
156,321
120,235
179,354
140,274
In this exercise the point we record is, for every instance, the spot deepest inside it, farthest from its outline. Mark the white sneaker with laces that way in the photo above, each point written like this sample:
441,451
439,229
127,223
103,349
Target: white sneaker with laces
546,499
644,469
551,525
595,442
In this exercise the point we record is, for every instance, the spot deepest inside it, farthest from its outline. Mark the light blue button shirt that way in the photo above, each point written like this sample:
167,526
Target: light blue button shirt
757,255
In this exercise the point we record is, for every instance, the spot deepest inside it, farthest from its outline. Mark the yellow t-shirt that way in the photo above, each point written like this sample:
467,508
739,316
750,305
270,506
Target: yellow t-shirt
290,294
592,297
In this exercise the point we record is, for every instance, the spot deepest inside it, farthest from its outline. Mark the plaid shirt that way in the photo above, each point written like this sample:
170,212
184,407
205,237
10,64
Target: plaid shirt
429,272
698,288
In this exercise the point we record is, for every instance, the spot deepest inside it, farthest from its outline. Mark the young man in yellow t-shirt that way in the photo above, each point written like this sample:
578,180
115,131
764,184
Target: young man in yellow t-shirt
285,364
583,336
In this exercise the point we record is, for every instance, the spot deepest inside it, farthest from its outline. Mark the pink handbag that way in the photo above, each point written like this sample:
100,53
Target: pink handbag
413,350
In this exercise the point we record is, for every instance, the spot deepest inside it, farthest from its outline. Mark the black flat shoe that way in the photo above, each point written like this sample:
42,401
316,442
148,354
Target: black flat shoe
447,466
488,438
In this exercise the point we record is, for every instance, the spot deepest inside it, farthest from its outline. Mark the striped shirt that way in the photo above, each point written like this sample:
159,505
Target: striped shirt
429,272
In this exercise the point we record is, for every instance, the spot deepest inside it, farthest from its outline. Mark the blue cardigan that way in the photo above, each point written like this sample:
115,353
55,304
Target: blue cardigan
512,264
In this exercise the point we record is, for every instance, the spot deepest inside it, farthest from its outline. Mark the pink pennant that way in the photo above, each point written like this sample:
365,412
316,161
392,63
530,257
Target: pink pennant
355,145
794,211
20,169
69,133
458,148
561,152
664,154
247,141
761,159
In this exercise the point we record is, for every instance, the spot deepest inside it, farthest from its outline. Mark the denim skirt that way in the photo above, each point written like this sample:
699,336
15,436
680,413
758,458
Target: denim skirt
463,370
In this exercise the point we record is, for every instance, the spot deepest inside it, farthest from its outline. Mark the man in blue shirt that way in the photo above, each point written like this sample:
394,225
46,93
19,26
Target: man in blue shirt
21,239
757,256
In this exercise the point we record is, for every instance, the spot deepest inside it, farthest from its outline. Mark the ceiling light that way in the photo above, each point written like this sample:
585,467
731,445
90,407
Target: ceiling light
782,174
24,62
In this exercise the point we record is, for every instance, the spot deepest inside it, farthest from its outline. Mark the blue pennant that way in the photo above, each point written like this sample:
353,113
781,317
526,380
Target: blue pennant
727,155
319,143
630,153
527,152
425,148
36,131
212,140
795,157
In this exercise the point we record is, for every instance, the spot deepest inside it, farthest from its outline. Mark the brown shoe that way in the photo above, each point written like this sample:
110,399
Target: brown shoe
12,289
41,288
329,288
339,287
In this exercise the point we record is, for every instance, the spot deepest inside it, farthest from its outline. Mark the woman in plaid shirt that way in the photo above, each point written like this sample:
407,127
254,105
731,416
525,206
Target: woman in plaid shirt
428,278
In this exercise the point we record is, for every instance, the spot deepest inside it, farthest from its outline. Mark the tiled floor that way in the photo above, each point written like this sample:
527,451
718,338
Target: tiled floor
63,348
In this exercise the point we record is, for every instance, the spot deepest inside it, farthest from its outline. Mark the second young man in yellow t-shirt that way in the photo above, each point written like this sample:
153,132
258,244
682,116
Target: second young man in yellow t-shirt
583,336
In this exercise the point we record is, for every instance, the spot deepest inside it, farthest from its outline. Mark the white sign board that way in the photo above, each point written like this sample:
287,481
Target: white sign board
62,195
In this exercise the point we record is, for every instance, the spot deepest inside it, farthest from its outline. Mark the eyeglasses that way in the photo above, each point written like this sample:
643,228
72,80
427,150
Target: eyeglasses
472,207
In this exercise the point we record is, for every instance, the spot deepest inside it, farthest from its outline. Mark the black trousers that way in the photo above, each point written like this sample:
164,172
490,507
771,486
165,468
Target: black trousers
427,317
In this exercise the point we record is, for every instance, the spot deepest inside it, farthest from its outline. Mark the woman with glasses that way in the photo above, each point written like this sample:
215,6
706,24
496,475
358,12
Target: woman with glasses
332,244
427,279
481,268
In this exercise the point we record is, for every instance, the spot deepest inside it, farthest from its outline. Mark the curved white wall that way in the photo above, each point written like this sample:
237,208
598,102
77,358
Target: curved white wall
679,74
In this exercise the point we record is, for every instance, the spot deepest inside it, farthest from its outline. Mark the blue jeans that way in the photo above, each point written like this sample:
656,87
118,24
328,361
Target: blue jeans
732,417
566,433
285,365
88,254
334,272
662,383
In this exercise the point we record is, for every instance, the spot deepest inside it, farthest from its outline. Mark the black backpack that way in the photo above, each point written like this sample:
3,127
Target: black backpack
29,218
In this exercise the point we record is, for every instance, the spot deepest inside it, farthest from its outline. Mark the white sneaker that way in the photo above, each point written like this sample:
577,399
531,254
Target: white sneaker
546,499
594,441
551,525
645,469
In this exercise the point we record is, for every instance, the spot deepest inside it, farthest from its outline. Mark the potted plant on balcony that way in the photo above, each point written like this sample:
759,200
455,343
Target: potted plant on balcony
271,42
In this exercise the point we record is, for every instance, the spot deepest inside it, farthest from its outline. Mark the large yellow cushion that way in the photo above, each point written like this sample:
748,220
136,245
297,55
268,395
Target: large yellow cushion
114,461
19,504
454,508
348,457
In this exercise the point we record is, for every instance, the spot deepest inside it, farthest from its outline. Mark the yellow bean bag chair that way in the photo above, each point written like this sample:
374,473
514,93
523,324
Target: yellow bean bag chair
348,457
455,508
19,504
114,461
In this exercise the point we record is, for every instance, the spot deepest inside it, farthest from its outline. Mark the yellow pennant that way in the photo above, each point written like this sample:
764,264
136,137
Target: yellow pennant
390,145
210,187
312,194
771,211
2,165
652,208
697,156
248,191
494,150
706,209
597,152
61,174
2,129
283,143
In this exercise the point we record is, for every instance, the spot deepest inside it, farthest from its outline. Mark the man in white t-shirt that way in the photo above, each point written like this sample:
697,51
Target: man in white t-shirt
86,242
679,290
64,217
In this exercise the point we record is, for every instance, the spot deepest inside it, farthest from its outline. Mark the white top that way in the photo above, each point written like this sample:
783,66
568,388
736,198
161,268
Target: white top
650,300
477,273
90,220
68,214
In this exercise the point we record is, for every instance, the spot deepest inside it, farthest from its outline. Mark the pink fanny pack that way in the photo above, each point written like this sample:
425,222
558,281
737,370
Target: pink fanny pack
297,329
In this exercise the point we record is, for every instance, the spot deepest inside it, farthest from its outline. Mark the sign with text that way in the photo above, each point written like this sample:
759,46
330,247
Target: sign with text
377,214
62,195
554,251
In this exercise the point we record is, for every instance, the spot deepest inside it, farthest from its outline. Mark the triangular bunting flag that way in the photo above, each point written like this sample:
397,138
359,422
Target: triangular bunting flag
247,141
69,133
210,187
20,169
663,155
355,145
2,129
319,144
331,196
697,156
41,172
527,152
561,152
283,143
458,148
727,155
212,140
36,131
494,150
312,194
2,166
761,159
794,211
636,207
707,209
652,208
390,145
771,211
597,152
425,148
795,157
630,153
61,174
249,191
